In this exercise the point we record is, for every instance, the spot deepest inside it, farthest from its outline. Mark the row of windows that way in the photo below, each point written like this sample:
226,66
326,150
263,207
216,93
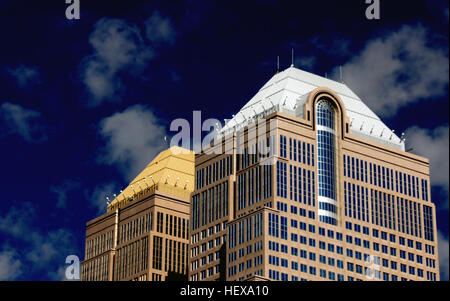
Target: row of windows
326,164
131,259
205,260
299,151
177,226
249,186
255,153
96,270
210,205
175,256
211,272
245,230
303,187
136,227
369,272
213,172
383,177
386,210
211,244
244,252
349,239
211,231
301,184
99,244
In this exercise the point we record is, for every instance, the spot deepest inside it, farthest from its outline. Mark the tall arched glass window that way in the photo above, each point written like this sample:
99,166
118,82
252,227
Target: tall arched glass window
326,166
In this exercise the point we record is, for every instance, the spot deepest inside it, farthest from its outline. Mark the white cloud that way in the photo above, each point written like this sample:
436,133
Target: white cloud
39,251
159,29
99,194
24,75
305,62
133,138
61,191
432,144
121,48
15,119
443,257
397,69
10,265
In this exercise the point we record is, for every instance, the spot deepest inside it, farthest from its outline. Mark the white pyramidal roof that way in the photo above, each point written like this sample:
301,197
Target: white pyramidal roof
288,91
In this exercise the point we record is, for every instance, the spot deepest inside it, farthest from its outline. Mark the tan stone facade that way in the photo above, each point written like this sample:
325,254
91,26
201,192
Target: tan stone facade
276,227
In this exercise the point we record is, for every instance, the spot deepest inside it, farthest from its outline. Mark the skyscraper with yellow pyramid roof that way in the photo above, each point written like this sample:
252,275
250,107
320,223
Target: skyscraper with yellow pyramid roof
144,234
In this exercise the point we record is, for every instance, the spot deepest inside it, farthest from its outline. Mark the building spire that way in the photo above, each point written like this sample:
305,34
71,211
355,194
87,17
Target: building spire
292,58
278,64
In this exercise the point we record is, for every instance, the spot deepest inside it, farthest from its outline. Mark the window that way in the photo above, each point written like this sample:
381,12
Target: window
326,156
375,233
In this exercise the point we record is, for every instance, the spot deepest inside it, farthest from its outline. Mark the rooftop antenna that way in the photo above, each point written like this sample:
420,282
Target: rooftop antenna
292,58
278,64
165,140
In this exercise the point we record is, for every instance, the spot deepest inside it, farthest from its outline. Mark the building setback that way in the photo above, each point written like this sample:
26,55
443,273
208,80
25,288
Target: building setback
307,183
144,234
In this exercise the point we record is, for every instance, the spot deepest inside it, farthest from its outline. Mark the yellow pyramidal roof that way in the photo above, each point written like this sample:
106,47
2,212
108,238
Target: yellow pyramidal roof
171,171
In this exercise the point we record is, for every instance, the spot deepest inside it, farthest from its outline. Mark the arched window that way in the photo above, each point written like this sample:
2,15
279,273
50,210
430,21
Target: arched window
325,117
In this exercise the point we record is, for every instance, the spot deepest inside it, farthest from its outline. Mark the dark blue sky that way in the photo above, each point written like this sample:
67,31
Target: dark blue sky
85,104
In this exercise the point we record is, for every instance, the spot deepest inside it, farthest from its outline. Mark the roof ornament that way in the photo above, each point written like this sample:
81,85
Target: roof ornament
362,124
382,132
167,179
185,185
351,122
145,181
403,138
165,140
340,71
151,178
108,201
176,182
371,130
124,196
133,188
392,134
139,185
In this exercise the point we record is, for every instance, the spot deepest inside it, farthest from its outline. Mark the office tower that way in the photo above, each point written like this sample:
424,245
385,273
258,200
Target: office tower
305,182
144,233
